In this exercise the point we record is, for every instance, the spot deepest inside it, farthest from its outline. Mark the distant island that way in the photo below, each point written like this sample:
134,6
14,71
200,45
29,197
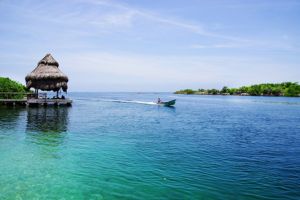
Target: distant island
287,89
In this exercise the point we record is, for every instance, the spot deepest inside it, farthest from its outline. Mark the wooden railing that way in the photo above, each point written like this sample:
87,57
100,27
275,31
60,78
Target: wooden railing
31,99
22,95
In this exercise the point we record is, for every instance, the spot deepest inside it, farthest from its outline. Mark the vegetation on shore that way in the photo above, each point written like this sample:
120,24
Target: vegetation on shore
288,89
10,86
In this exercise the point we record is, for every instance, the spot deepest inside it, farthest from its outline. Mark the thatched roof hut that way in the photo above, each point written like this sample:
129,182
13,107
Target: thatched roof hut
47,76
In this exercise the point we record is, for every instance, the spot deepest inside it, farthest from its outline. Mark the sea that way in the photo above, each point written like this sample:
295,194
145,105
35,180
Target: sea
124,146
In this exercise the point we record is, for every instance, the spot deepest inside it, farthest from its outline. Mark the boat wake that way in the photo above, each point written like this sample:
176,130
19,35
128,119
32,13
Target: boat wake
120,101
137,102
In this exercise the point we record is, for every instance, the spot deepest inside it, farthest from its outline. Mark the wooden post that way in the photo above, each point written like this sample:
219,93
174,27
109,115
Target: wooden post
36,93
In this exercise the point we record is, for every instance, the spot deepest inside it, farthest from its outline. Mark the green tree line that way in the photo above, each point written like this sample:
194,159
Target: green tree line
7,85
289,89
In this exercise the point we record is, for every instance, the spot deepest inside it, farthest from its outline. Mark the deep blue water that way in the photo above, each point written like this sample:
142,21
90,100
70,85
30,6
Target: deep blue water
207,147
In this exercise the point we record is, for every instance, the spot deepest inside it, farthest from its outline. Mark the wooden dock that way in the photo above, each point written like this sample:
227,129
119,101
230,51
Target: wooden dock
33,101
36,102
49,102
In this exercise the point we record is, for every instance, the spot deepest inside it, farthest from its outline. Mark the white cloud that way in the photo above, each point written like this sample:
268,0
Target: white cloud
166,20
99,71
216,46
84,37
83,18
102,71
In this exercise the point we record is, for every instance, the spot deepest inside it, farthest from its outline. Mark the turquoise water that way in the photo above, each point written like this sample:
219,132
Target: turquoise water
208,147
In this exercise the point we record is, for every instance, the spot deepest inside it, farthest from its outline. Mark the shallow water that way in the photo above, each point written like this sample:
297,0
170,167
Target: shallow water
119,146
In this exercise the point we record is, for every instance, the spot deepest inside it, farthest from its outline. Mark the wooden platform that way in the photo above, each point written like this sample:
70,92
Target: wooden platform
36,102
32,99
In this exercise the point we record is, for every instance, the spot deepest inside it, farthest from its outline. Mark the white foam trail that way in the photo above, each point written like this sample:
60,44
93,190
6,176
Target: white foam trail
138,102
119,101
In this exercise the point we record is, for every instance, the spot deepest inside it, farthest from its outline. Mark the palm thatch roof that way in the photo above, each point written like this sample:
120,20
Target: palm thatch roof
47,76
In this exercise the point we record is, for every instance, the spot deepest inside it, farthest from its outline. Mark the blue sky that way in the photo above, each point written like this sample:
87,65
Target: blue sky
136,45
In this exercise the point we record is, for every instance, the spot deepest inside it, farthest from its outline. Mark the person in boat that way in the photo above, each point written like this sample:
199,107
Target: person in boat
158,100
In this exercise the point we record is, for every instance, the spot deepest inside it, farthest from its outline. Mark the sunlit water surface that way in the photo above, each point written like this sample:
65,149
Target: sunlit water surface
121,146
